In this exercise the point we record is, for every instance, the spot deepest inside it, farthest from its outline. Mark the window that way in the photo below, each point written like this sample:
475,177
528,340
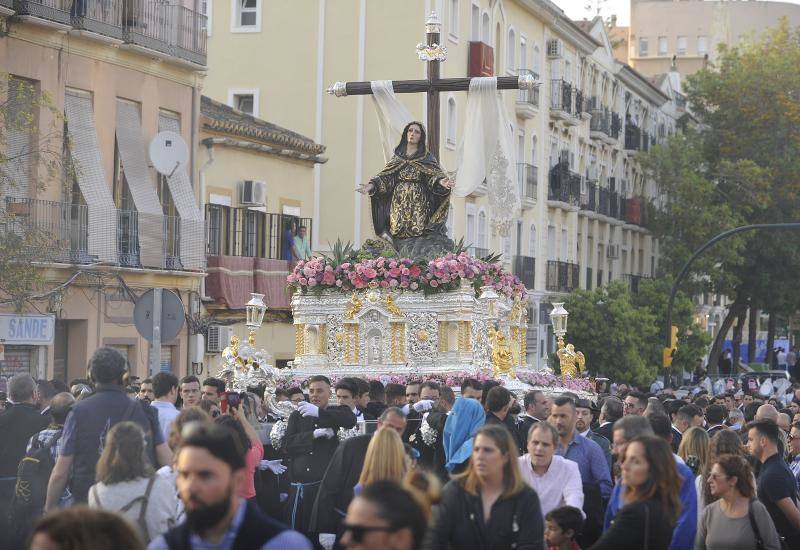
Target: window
451,123
702,45
523,53
452,18
245,101
662,45
537,55
511,51
534,161
206,8
475,23
486,29
469,234
564,247
681,45
246,16
532,241
482,242
643,47
567,70
551,242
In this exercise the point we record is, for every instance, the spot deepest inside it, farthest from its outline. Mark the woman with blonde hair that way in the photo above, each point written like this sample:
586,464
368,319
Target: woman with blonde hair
127,484
694,452
489,505
385,459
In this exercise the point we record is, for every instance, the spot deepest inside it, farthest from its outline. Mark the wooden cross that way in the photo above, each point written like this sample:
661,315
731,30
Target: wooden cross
434,54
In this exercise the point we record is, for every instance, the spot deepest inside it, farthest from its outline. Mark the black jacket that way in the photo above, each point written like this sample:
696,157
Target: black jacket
458,522
638,526
18,423
336,490
606,430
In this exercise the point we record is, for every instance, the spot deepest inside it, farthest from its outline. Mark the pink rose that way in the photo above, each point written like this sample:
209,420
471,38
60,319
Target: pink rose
384,284
434,283
414,271
328,278
370,273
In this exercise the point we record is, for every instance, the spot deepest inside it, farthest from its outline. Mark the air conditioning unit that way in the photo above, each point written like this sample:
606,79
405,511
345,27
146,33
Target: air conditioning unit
219,336
252,193
612,251
555,48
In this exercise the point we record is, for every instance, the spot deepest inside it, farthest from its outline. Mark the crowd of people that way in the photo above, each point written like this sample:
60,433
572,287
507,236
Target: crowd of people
173,464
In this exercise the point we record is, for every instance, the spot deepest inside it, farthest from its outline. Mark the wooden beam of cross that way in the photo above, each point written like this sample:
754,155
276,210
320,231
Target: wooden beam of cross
434,55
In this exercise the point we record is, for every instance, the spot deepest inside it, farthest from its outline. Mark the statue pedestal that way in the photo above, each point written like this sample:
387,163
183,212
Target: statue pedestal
380,331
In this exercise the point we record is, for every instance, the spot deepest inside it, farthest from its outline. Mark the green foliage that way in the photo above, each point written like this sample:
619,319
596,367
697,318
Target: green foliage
341,252
613,333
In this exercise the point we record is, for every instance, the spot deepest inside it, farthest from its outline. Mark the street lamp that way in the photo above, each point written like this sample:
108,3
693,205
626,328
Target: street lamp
256,308
558,318
571,361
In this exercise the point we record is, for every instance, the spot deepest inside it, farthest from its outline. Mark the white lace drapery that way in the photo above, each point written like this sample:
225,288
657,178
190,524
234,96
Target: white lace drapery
392,115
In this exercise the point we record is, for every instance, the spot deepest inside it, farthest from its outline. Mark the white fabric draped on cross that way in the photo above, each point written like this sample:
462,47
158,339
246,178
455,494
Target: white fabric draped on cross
486,151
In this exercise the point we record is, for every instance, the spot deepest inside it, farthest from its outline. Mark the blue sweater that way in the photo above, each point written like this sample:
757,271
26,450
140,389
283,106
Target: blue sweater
685,530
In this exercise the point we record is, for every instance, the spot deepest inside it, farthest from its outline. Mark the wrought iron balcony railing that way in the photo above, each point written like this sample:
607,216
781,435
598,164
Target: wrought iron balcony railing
562,276
527,174
525,269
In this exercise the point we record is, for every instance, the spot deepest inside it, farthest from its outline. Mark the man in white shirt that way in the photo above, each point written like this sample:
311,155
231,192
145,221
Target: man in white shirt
555,479
165,390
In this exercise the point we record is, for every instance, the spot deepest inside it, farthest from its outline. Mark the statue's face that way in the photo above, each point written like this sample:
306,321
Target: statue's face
413,134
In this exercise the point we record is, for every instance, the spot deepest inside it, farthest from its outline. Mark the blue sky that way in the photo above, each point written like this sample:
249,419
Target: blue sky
576,8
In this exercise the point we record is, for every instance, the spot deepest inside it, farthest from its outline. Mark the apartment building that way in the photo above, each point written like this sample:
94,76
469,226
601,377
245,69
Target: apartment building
116,73
581,219
691,30
257,187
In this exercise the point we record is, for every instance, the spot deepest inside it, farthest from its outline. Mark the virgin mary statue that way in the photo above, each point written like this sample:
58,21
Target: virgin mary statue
411,198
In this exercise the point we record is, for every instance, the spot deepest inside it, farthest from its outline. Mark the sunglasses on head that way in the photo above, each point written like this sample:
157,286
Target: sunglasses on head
358,532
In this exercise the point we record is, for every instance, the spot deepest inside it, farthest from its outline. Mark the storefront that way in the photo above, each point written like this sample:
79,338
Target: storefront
24,340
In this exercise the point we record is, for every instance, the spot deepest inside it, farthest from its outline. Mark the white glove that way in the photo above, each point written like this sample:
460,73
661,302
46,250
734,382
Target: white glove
423,405
307,409
324,432
327,540
274,466
406,409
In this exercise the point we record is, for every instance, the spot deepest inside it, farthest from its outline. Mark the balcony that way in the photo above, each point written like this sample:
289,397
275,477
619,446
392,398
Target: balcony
525,269
527,174
52,13
6,7
565,186
616,126
562,276
528,100
589,200
603,201
633,138
59,232
101,17
599,127
561,102
633,282
172,30
613,199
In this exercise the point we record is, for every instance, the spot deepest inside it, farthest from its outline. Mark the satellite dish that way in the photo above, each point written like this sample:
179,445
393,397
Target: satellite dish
171,315
168,153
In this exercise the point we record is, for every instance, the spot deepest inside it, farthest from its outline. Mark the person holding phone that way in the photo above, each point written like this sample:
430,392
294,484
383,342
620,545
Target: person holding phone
247,437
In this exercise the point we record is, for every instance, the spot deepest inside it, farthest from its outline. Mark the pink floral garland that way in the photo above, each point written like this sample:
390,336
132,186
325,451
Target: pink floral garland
438,275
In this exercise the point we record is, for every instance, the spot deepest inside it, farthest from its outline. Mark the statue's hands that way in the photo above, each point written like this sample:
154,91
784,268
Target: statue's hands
365,188
447,183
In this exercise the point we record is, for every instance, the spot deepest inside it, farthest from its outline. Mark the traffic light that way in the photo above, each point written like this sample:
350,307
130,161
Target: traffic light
669,353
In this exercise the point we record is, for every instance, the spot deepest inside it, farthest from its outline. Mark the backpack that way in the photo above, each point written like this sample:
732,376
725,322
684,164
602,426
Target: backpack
30,491
33,474
144,499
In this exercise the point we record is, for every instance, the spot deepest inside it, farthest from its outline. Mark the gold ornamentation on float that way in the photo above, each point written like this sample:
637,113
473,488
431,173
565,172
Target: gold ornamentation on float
397,352
391,306
571,361
423,336
353,307
299,340
443,329
502,360
464,344
352,344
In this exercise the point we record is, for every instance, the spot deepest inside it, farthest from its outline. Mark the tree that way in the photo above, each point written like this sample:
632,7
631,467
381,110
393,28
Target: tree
742,168
613,333
31,147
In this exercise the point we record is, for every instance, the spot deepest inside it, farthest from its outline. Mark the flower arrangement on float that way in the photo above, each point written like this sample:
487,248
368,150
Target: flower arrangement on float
437,275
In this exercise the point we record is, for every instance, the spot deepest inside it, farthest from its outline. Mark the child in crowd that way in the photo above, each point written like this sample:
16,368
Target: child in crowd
561,527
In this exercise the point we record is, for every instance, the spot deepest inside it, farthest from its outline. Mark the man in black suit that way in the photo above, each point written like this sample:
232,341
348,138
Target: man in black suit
715,418
537,409
610,412
336,490
672,406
